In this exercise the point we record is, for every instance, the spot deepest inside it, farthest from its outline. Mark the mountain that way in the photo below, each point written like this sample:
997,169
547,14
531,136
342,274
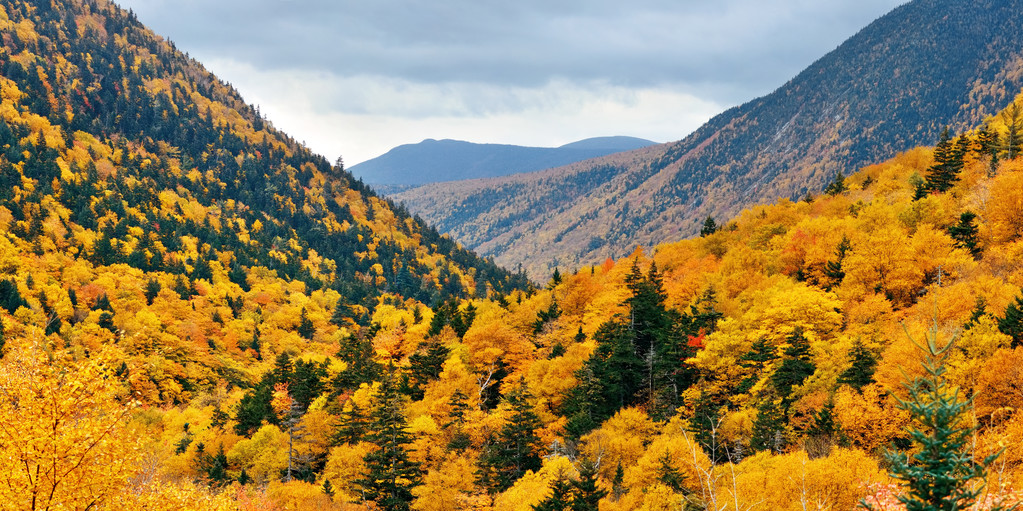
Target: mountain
432,161
893,86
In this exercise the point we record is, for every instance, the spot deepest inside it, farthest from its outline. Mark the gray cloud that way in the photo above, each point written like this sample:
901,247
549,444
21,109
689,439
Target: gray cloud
726,51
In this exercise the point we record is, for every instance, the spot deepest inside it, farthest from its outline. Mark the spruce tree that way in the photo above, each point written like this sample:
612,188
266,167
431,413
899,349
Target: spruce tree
559,498
709,227
390,475
1011,323
516,448
586,494
305,325
861,372
948,161
795,366
837,186
965,233
942,474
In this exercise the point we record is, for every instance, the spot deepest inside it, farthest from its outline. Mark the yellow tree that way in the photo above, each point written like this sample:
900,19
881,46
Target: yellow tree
64,443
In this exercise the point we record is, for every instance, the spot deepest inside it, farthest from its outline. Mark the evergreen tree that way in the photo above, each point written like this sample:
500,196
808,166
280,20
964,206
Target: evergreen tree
837,186
861,372
941,473
1011,323
516,448
965,233
390,475
305,325
152,290
10,298
586,494
559,498
769,426
1012,117
795,366
833,269
948,161
754,361
709,227
979,311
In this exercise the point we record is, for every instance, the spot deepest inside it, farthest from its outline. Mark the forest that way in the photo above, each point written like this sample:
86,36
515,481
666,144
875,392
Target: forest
198,313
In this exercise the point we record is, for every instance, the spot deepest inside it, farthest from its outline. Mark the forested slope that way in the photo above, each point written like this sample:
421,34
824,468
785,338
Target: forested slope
893,86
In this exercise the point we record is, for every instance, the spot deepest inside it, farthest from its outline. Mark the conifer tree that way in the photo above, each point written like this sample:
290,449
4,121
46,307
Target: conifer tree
1011,323
768,427
305,325
965,233
516,448
948,161
795,366
837,186
709,227
586,494
861,372
942,474
559,498
391,475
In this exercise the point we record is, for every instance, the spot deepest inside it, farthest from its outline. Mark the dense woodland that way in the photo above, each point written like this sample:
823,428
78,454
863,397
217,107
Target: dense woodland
195,312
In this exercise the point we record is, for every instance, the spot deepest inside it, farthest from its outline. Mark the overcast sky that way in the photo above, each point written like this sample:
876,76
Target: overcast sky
358,77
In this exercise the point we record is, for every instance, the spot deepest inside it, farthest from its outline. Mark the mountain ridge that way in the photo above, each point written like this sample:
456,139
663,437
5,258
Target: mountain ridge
433,160
888,88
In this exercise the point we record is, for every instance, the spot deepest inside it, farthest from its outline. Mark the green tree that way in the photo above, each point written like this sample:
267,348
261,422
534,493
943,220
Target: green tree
837,186
861,372
586,494
795,366
941,474
769,426
391,475
516,449
560,497
305,325
1011,323
709,227
965,233
948,161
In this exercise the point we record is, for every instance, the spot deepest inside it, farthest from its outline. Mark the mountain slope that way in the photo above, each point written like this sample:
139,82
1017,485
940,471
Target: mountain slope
892,86
432,161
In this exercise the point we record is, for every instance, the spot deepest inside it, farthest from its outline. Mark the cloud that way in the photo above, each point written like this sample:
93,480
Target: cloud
364,116
359,77
730,49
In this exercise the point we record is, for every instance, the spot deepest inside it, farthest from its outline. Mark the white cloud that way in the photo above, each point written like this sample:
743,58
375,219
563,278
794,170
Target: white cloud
362,117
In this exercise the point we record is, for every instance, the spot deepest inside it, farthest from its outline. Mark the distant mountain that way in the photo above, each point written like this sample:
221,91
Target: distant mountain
432,161
892,86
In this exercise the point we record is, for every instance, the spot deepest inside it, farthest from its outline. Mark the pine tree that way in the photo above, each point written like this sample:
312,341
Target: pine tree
837,186
948,161
795,366
586,494
305,325
1011,323
769,426
709,227
391,475
152,290
516,448
861,372
965,233
559,499
942,472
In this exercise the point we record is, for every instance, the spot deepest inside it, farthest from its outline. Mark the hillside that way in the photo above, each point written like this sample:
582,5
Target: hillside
432,161
892,86
176,332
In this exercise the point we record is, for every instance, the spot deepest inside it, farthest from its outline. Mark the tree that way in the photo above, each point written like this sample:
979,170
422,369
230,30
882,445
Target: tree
948,161
795,365
63,430
861,372
390,474
942,475
305,326
837,186
709,227
1012,117
559,499
516,448
768,427
586,494
965,233
1011,323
